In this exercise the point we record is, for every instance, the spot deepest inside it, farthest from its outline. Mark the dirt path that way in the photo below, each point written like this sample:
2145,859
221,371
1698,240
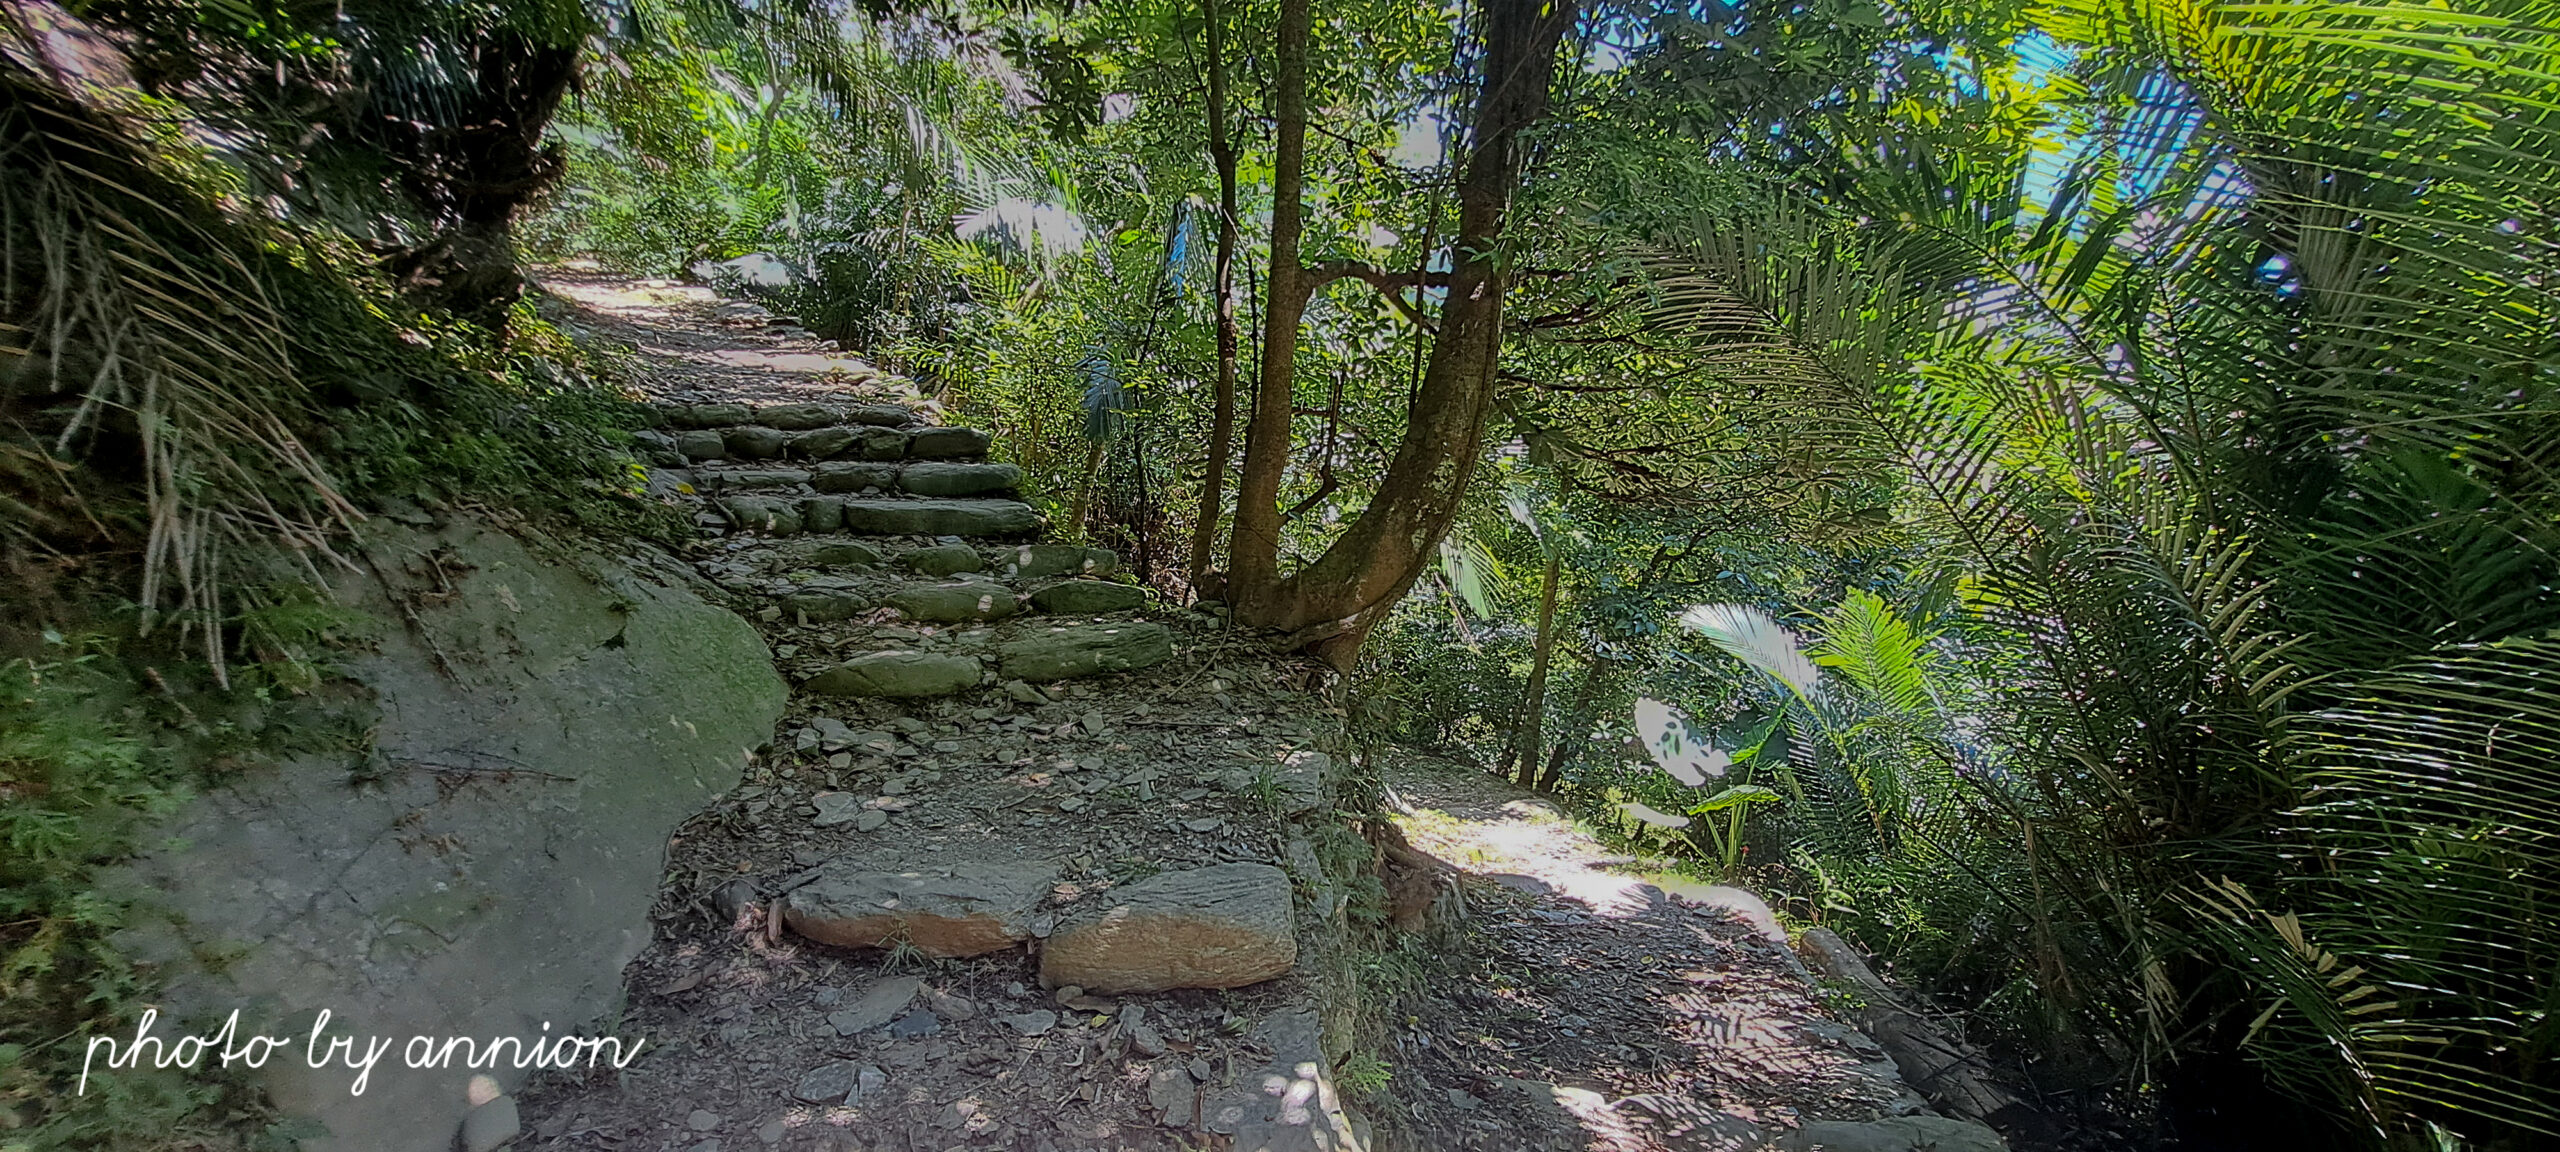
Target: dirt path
1588,1008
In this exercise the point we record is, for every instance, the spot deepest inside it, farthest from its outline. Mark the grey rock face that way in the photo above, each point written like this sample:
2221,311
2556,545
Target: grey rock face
846,476
946,443
953,603
897,675
1085,650
755,442
491,1125
945,560
939,517
649,701
1089,597
823,443
934,478
1034,561
1289,1104
964,910
701,445
1223,926
795,417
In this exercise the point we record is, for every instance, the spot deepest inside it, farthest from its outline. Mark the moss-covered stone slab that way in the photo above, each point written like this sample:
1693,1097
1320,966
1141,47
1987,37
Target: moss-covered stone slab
947,443
959,517
1034,561
938,478
823,443
945,560
1086,650
848,476
898,675
795,417
755,442
956,603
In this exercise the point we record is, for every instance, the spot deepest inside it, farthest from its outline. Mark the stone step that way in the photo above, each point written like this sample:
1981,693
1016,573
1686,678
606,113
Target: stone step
794,417
940,478
753,442
1035,654
787,515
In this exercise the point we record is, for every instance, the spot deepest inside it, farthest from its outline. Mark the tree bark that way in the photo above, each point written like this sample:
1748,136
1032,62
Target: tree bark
1526,738
1331,605
1222,428
474,173
1253,552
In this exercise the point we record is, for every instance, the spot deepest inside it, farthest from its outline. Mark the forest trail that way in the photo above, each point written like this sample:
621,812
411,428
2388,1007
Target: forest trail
1036,864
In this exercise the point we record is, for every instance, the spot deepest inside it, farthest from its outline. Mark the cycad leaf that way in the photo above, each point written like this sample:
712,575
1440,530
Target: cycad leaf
1755,638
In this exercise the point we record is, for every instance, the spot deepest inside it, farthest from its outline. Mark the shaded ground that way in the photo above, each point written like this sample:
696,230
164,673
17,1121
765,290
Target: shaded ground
1586,1008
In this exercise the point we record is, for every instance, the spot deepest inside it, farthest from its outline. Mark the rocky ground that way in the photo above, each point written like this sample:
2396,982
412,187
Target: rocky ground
1035,863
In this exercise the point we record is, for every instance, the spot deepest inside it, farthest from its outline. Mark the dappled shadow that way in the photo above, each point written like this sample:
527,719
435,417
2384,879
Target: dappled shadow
1588,1009
697,347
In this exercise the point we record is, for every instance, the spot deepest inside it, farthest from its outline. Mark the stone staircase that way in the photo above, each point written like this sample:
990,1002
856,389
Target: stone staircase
826,513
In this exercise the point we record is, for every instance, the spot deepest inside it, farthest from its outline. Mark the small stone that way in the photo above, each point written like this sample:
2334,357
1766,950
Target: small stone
836,808
1024,693
1172,1092
490,1125
1145,1040
921,1022
824,605
762,514
870,1080
951,1006
772,1131
732,899
871,820
702,1121
945,560
880,1003
832,734
752,442
1066,993
1033,1023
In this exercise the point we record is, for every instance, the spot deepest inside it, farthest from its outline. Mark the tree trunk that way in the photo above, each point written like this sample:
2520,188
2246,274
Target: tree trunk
1331,605
1526,736
473,173
1253,552
1222,428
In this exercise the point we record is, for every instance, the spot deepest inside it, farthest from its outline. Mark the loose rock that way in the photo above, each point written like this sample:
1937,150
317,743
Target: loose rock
1084,650
1223,926
897,675
973,910
878,1005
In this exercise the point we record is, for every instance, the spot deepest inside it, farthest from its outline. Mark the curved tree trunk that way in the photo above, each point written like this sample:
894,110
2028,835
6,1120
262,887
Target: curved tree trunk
1331,605
1222,428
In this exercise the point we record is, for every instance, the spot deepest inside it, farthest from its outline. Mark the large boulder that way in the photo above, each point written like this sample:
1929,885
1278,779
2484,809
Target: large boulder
1086,650
963,910
937,478
956,602
1224,926
538,723
898,675
939,517
1089,597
